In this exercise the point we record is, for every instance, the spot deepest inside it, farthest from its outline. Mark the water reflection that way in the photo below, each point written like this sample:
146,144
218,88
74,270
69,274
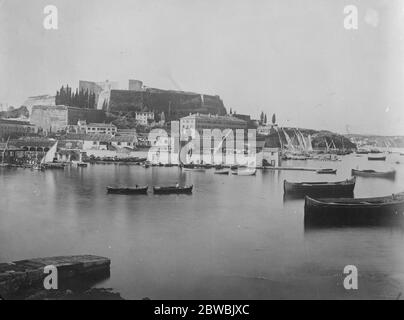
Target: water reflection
234,237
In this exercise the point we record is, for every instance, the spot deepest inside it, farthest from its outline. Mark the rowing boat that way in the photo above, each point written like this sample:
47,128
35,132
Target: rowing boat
194,168
377,158
340,188
223,172
126,190
372,173
344,211
173,190
327,171
245,172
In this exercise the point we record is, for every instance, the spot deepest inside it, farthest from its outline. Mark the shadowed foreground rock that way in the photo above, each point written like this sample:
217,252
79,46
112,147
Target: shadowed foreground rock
19,279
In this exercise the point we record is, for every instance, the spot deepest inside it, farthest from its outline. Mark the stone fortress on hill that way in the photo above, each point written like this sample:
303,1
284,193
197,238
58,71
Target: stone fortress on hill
137,98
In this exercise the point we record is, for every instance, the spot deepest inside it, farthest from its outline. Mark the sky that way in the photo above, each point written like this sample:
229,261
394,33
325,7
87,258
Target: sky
289,57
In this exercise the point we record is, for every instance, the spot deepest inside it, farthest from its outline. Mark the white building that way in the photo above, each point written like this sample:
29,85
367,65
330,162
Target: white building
144,118
101,128
265,130
198,122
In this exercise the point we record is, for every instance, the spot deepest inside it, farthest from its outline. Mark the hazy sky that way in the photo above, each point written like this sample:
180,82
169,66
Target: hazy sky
292,58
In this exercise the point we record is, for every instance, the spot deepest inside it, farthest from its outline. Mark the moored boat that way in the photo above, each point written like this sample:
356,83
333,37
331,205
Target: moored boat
173,190
377,158
223,172
193,167
340,188
327,171
127,190
372,173
245,172
345,211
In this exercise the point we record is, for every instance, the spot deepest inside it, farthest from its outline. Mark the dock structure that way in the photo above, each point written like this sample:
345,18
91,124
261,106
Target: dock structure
290,168
27,274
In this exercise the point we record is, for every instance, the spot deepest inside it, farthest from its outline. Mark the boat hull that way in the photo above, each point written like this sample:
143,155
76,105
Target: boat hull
375,174
173,190
222,172
245,173
377,158
353,212
322,189
127,191
327,171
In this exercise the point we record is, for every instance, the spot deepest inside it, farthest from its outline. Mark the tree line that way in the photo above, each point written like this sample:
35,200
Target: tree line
79,99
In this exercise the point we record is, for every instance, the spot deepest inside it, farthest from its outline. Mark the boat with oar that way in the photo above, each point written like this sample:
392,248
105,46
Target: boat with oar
245,172
361,211
173,190
372,173
377,158
223,172
327,171
339,188
127,190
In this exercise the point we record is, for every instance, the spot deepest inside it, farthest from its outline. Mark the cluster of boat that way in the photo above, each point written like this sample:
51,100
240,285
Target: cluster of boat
156,190
333,203
221,170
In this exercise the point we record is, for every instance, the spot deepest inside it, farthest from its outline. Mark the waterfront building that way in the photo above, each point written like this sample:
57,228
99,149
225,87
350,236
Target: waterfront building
59,118
198,122
15,128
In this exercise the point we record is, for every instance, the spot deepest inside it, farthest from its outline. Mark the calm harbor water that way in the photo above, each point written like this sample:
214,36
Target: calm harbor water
234,238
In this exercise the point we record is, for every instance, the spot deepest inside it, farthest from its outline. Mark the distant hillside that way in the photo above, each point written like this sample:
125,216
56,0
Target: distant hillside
297,137
174,104
378,141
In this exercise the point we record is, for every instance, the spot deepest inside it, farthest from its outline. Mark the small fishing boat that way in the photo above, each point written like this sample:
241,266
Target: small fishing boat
126,190
372,173
223,171
193,167
340,188
173,190
377,158
245,172
327,171
344,211
362,151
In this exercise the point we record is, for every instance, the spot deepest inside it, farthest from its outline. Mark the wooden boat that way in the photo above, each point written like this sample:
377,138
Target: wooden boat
362,151
173,190
193,167
223,171
327,171
340,188
377,158
126,190
245,172
344,211
372,173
